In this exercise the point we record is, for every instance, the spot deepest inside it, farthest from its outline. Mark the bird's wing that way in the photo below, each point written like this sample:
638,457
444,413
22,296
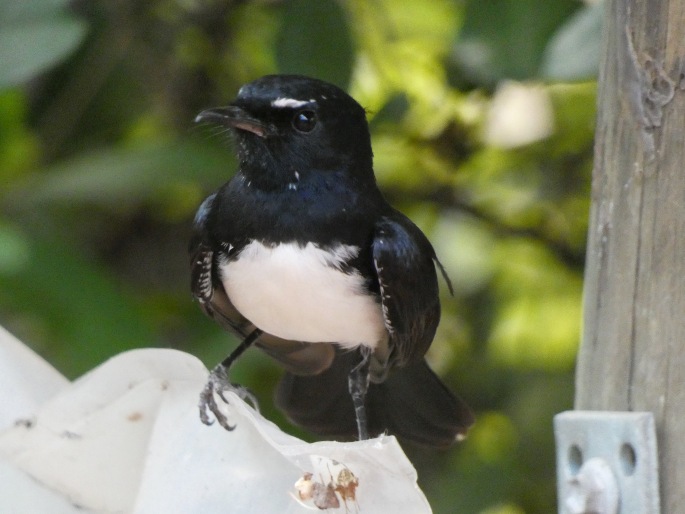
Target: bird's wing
404,261
212,299
295,356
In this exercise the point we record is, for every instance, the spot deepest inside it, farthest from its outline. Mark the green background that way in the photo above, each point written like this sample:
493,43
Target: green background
101,170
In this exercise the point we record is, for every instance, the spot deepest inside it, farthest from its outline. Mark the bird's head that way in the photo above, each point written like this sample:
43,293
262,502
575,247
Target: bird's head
287,124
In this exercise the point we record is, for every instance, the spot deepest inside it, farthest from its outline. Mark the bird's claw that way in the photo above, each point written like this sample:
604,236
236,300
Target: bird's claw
208,404
218,383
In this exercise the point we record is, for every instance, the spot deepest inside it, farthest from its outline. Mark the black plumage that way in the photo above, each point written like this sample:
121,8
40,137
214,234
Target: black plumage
304,212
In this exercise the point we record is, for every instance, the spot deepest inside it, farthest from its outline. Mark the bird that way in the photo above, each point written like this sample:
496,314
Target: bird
300,255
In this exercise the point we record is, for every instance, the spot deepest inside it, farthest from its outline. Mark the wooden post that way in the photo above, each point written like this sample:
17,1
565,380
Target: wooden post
632,356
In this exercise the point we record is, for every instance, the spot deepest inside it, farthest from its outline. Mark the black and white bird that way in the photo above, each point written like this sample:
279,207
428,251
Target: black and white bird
300,255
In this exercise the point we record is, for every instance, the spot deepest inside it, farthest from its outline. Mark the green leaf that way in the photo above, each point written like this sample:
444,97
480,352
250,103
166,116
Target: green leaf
13,12
573,53
19,147
74,305
506,39
538,325
121,178
30,47
315,40
14,249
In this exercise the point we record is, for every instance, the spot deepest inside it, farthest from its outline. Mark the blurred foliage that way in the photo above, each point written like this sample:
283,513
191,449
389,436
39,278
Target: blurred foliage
101,170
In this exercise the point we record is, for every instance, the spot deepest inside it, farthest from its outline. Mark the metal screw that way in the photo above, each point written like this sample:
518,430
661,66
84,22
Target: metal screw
593,490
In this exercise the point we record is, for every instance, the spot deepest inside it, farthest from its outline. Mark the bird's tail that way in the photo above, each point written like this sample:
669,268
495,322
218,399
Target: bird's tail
412,403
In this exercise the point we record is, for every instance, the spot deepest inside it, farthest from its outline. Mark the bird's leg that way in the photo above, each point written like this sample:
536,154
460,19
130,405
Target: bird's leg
218,382
358,384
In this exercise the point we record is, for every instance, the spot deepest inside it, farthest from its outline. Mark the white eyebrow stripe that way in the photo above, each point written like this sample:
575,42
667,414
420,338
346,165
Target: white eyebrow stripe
291,103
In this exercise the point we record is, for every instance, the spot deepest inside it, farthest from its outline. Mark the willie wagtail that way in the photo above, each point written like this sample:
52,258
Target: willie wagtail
300,255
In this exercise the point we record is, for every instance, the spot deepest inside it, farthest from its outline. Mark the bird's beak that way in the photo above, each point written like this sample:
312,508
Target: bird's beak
235,117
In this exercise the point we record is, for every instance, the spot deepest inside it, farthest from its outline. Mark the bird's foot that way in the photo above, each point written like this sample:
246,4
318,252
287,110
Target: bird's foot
358,384
218,385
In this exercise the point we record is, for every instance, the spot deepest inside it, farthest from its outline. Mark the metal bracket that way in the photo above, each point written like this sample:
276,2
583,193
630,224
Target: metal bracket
607,463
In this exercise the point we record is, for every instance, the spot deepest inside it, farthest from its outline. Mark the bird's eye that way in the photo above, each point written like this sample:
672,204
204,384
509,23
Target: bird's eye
304,121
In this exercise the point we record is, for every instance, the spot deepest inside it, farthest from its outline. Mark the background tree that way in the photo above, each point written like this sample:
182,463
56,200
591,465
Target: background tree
482,116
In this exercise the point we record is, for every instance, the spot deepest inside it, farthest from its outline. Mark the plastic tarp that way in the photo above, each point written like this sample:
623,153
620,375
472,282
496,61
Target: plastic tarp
126,438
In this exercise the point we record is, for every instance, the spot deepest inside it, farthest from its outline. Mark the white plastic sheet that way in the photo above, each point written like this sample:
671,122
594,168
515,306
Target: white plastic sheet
126,438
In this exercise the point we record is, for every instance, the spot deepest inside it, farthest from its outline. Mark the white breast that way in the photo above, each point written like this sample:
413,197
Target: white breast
300,293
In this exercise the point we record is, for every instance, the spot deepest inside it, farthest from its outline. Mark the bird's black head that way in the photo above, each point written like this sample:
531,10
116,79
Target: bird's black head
288,126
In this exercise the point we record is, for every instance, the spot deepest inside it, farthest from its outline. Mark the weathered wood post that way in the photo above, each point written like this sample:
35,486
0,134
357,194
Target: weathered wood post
632,356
